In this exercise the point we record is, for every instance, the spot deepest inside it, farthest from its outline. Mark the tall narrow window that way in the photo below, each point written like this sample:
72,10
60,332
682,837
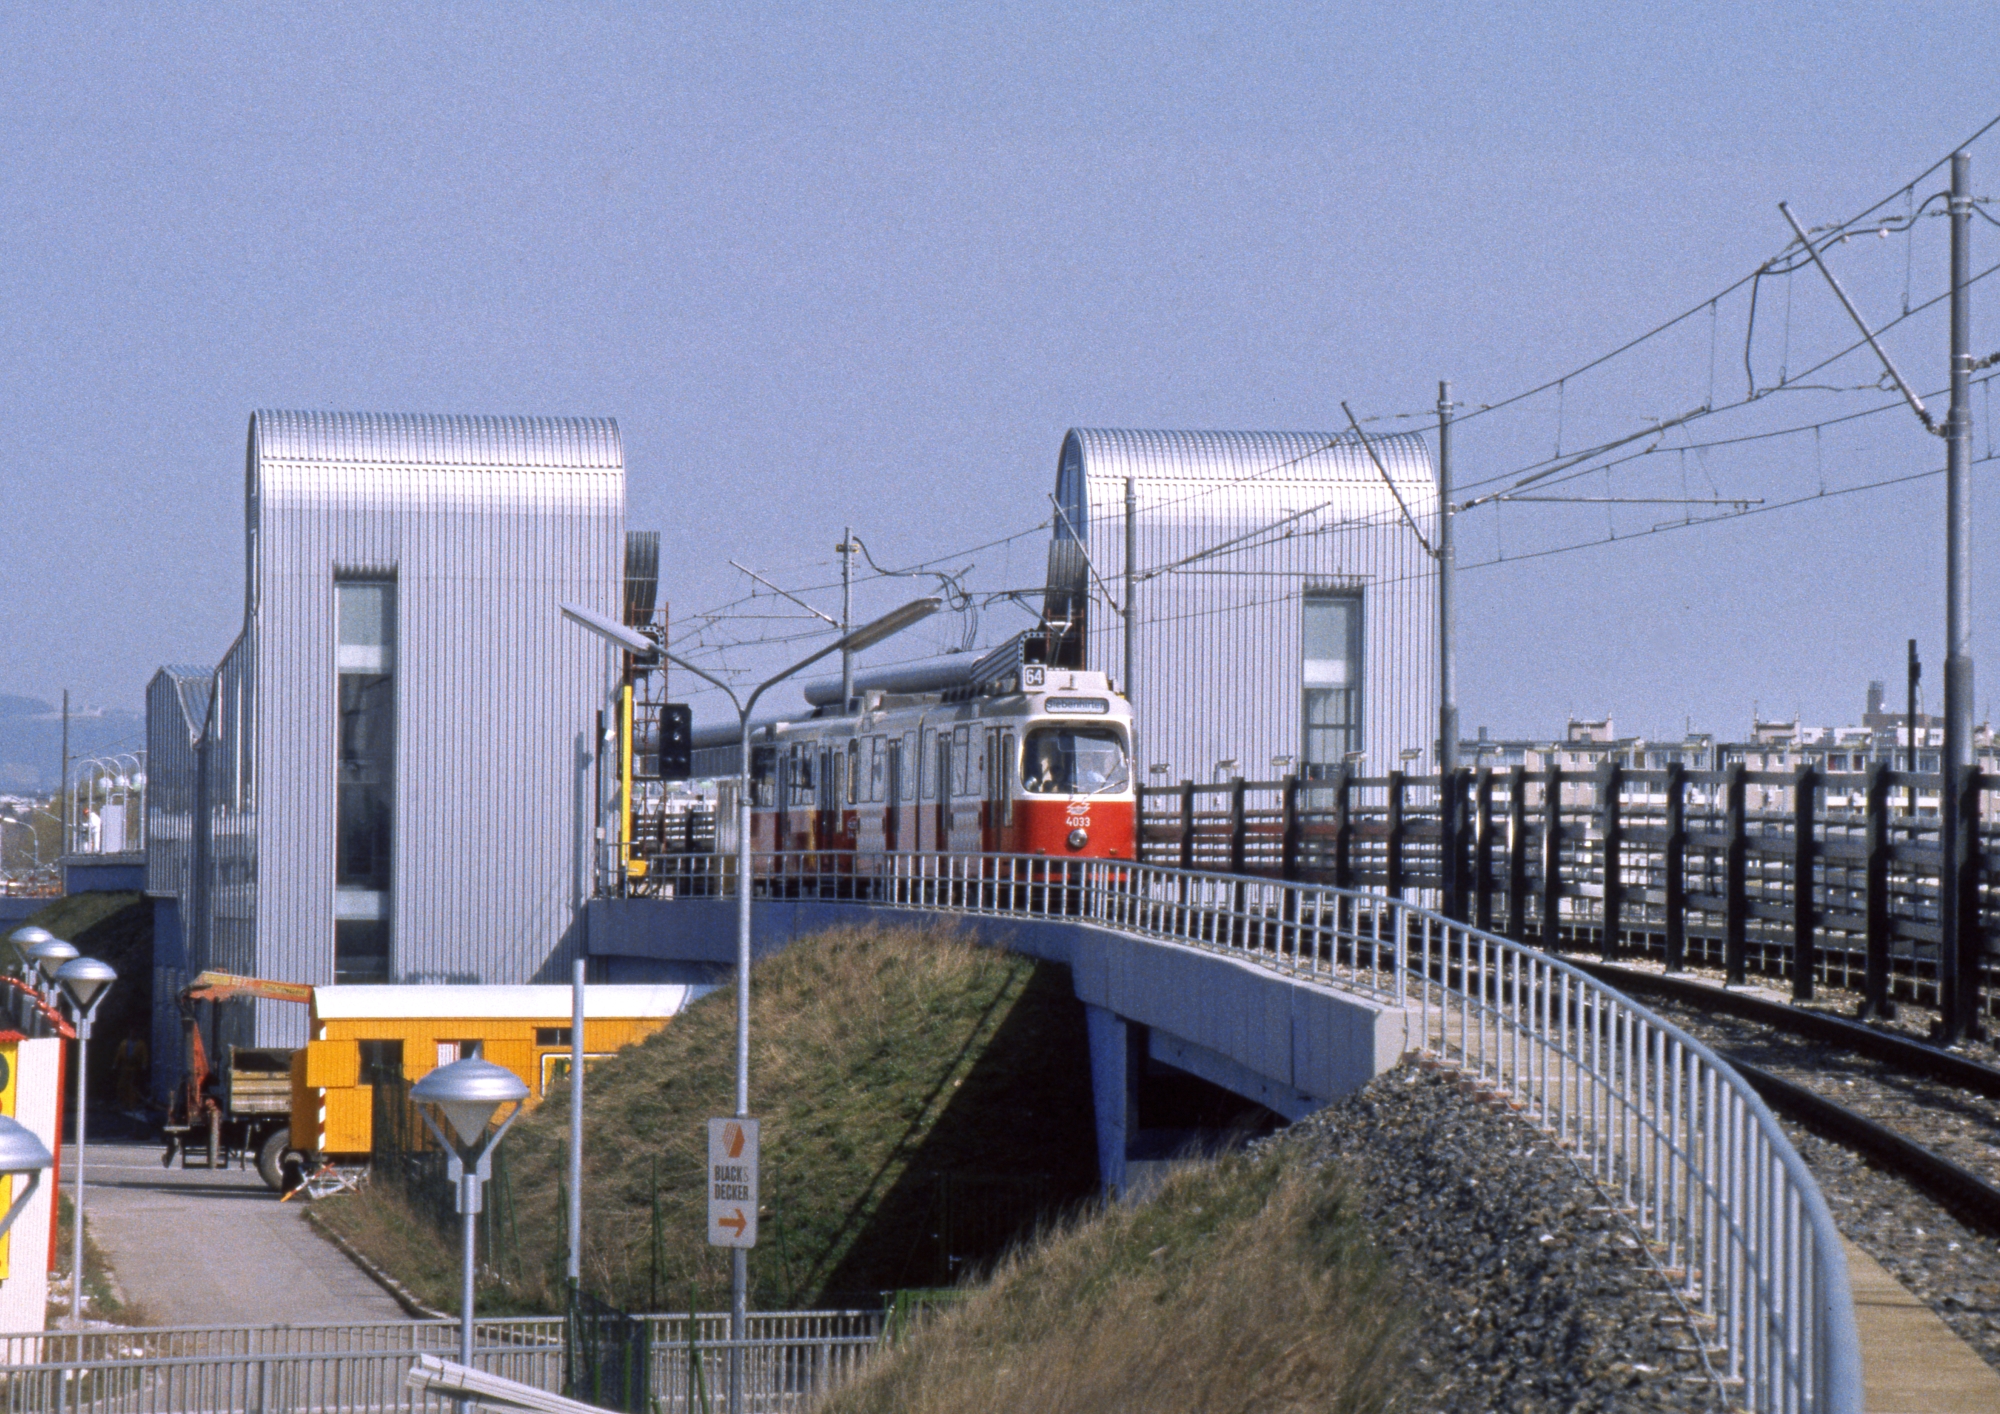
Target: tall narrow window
365,661
1332,700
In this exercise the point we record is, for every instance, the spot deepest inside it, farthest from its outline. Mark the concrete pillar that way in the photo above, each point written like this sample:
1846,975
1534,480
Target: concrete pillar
170,974
1117,1053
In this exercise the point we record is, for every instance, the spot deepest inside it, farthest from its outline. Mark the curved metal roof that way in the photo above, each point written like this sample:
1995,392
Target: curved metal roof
193,686
425,439
1251,457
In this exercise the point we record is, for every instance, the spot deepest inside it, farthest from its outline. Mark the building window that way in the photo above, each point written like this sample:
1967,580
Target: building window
381,1062
1332,701
365,665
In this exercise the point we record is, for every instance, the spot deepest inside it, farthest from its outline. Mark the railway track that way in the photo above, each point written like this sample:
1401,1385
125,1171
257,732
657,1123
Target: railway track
1909,1134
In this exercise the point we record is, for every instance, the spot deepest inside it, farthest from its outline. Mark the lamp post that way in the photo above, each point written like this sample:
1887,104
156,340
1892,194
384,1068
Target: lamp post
867,636
83,980
469,1092
24,941
51,955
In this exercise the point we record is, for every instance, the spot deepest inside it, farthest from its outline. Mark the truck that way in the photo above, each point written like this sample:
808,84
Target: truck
242,1111
310,1112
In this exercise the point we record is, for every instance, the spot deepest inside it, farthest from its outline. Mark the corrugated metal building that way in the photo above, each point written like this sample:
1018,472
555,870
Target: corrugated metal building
1283,595
385,779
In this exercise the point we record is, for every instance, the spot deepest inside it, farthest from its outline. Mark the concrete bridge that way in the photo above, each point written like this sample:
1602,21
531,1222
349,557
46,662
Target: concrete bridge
1294,994
1288,1043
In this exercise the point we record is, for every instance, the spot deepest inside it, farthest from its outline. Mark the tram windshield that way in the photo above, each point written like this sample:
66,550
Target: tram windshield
1073,761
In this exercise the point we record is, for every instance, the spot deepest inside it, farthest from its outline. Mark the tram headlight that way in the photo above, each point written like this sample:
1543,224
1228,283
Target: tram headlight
1078,838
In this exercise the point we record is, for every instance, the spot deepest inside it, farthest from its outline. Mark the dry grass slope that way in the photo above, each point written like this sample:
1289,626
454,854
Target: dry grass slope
880,1058
1244,1285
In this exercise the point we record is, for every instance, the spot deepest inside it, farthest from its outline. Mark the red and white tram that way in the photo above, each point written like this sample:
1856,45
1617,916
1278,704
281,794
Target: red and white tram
1035,761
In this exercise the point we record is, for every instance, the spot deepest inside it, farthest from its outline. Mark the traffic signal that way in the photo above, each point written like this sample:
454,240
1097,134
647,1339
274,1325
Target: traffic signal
676,741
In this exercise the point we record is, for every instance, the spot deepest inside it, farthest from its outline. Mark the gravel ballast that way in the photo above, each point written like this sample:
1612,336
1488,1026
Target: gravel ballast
1532,1293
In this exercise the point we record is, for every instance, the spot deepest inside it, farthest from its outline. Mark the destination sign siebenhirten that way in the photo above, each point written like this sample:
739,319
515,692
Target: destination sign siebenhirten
732,1183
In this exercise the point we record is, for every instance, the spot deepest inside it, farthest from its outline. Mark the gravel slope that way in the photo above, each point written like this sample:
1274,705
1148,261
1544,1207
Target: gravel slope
1534,1295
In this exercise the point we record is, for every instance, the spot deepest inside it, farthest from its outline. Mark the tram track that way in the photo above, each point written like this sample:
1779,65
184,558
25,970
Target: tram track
1971,1197
1903,1137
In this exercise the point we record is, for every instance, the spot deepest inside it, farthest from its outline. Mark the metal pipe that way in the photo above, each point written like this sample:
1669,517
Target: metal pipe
468,1206
846,618
83,1020
1909,394
739,1266
1915,673
64,778
576,985
1131,584
1960,946
1447,592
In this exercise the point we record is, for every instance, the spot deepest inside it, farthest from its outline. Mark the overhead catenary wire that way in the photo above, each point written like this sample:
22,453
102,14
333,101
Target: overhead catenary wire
1848,225
705,628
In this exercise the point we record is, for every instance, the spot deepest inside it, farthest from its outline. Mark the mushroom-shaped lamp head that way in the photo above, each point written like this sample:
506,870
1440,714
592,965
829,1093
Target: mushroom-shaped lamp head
51,956
20,1151
26,937
468,1092
84,978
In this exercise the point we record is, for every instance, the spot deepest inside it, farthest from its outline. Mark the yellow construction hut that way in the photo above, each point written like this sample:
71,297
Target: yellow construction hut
365,1036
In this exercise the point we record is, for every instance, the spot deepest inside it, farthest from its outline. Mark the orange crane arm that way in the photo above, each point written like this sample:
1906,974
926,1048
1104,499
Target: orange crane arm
220,986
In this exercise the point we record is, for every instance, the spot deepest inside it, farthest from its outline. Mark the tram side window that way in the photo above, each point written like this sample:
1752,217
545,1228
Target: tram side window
909,756
927,764
878,769
1073,761
961,750
853,771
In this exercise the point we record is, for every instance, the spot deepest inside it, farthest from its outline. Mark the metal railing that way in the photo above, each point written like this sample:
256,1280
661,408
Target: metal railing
791,1358
1815,877
1687,1150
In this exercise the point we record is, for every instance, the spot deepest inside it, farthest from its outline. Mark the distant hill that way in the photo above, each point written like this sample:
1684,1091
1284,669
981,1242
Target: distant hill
31,739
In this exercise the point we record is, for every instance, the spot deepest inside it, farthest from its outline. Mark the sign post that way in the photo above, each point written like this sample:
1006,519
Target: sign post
732,1183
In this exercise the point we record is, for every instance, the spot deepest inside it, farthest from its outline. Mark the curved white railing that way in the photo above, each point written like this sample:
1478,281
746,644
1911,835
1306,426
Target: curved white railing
1685,1147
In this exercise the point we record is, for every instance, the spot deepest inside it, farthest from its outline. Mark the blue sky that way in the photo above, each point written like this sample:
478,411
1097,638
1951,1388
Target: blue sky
864,265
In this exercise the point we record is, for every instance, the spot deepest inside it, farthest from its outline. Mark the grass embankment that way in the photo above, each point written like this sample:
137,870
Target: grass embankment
1243,1285
925,1101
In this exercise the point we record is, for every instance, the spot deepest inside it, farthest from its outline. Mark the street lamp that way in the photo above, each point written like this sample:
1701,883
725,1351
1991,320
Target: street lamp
83,980
24,939
469,1092
867,636
21,1155
51,955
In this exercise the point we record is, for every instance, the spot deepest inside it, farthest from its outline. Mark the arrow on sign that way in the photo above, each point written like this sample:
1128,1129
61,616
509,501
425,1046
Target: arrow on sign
735,1220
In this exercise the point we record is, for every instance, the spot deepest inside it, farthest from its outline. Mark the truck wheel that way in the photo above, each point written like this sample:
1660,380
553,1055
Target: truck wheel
270,1159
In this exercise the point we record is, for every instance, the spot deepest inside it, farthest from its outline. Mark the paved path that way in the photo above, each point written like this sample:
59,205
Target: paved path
1911,1362
195,1247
